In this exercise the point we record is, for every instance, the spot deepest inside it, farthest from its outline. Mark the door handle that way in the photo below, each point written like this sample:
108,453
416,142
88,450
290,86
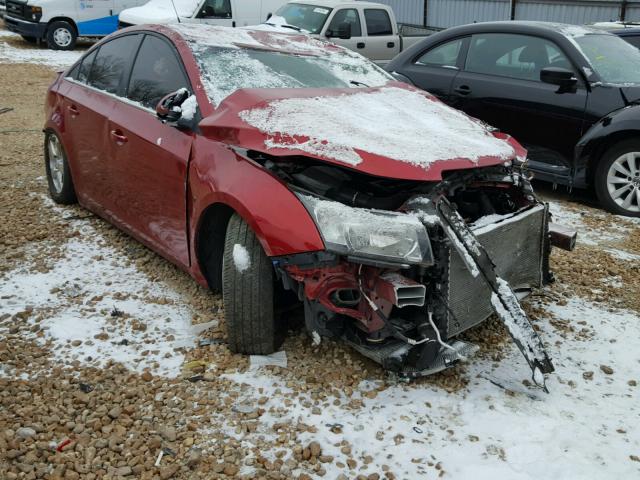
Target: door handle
360,45
391,44
73,110
119,137
463,90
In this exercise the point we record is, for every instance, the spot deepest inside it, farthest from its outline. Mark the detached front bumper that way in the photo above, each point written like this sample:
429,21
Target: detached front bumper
23,27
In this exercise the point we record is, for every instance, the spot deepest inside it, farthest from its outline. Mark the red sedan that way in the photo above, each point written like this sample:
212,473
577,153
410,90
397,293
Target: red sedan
278,168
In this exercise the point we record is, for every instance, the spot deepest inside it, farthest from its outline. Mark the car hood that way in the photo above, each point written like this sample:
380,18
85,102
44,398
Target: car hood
393,131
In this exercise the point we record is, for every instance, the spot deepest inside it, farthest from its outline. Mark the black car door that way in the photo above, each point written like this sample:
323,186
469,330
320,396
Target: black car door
433,70
500,84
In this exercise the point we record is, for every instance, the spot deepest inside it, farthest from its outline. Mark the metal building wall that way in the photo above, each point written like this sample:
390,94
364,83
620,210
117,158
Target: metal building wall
407,11
577,13
447,13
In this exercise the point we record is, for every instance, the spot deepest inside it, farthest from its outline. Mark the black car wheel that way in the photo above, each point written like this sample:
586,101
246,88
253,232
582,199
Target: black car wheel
61,36
617,180
58,173
248,292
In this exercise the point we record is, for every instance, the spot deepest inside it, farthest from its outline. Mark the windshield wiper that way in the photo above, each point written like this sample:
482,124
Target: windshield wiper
358,84
285,25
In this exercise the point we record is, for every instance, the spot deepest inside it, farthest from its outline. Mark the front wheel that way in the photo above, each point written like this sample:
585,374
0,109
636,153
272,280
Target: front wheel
61,36
617,179
248,292
58,173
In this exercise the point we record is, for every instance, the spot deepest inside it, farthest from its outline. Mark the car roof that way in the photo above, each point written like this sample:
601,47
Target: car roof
550,29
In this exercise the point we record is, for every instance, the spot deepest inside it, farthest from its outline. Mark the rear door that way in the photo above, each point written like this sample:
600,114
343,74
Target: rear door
150,157
96,17
383,42
351,17
434,69
500,84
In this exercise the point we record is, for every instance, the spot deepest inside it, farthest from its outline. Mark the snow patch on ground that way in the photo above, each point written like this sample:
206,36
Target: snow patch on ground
417,128
94,307
241,258
582,429
34,54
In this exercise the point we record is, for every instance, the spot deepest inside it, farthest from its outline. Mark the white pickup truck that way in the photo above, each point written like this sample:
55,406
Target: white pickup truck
365,27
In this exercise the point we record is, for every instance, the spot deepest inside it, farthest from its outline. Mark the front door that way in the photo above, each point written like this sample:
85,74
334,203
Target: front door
340,18
150,158
500,84
216,12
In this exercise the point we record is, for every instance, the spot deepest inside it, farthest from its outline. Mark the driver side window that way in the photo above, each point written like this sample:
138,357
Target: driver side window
346,15
216,9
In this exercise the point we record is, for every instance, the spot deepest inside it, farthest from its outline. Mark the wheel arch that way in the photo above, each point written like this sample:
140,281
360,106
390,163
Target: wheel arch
600,145
62,19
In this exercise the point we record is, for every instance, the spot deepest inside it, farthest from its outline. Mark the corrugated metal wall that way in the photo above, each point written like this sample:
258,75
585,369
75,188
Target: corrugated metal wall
447,13
407,11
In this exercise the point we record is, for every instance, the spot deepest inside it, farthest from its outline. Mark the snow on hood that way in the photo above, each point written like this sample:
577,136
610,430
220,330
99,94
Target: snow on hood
397,123
159,12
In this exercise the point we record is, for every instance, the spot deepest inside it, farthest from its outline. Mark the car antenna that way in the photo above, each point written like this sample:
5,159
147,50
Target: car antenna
175,11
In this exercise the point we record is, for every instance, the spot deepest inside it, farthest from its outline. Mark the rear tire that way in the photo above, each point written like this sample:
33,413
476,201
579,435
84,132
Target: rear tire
248,293
59,178
61,35
617,179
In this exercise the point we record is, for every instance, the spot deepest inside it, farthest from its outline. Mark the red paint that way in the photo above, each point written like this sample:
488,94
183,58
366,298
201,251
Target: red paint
158,190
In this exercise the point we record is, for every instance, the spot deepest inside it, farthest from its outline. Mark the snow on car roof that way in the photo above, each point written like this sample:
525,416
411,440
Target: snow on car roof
226,37
397,123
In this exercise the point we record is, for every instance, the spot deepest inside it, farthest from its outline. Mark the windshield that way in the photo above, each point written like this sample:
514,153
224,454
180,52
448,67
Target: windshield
225,70
612,58
309,18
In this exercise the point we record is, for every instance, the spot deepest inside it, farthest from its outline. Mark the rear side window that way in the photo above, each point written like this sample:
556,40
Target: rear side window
445,55
347,15
112,63
156,73
378,22
85,67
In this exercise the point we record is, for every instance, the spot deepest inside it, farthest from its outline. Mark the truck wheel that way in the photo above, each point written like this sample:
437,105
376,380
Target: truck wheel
248,292
617,179
58,174
61,36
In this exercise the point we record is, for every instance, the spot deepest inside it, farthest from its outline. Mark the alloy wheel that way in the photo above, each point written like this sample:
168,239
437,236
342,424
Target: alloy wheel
56,162
623,181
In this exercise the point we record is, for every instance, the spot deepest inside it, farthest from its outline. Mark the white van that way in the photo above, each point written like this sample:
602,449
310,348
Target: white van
60,22
228,13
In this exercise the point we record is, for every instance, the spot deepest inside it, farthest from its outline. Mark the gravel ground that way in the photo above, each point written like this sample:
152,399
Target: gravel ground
103,361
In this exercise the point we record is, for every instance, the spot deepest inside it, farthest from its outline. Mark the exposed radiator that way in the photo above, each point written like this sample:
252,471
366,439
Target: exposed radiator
516,245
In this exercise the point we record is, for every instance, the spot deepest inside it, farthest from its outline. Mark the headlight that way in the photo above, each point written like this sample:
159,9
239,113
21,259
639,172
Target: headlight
388,236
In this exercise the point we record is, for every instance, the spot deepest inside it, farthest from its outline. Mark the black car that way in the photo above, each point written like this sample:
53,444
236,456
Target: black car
570,94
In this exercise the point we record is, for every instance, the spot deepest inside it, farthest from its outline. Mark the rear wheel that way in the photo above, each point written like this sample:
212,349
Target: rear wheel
58,173
617,179
248,292
61,36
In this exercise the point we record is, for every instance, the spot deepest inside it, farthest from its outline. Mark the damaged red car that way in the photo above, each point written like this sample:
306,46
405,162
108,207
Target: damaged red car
278,168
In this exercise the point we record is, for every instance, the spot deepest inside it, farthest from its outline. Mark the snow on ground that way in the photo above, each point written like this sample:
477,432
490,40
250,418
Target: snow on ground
28,53
582,429
97,308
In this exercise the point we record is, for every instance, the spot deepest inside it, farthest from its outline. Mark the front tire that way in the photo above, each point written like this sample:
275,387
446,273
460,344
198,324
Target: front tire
617,179
59,178
248,292
61,36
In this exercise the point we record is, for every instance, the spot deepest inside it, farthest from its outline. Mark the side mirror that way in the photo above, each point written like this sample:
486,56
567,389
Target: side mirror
344,31
168,108
562,77
269,15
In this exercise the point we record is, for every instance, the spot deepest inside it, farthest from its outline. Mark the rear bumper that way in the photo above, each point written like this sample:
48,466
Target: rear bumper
22,27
